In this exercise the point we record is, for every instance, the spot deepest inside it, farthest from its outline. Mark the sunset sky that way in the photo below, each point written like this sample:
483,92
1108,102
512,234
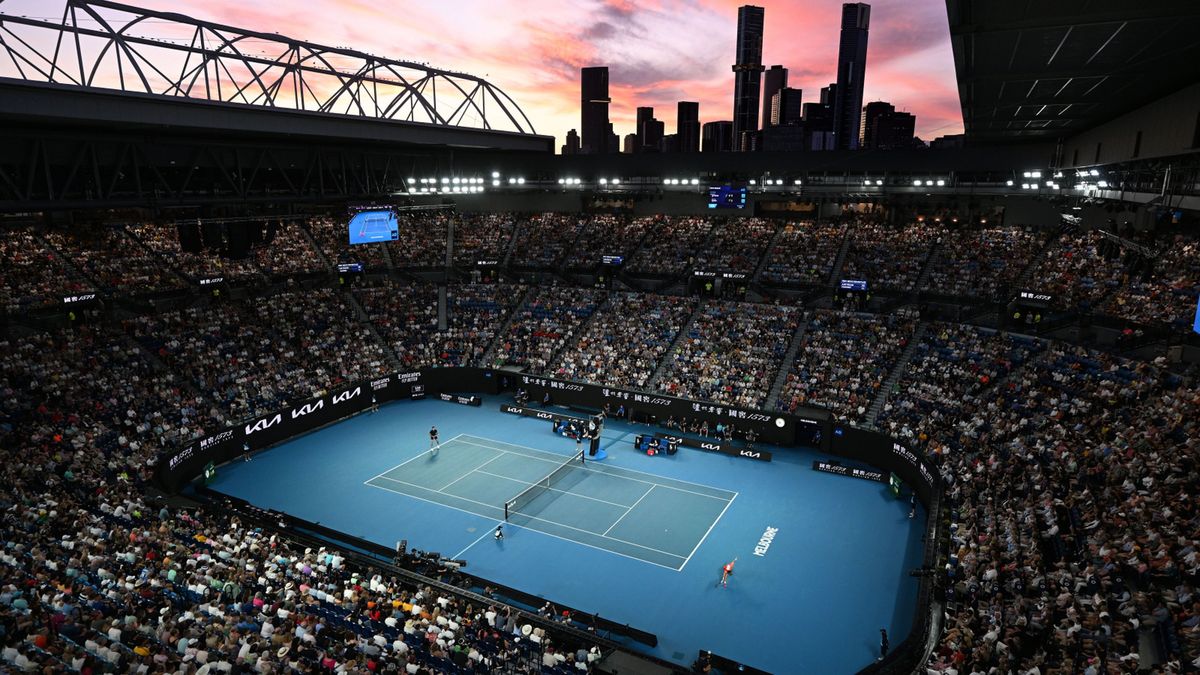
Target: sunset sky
658,51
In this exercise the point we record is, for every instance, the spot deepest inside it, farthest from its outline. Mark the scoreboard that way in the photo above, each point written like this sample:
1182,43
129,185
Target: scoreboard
726,197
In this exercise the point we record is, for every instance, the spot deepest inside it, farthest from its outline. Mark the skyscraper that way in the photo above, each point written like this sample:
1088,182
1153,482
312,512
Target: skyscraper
687,126
870,113
851,70
644,115
718,137
593,107
785,107
747,70
571,147
773,80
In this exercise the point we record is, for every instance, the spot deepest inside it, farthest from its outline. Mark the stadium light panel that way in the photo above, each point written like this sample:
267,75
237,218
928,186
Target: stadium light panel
495,174
521,181
877,182
916,183
1008,183
695,181
616,181
941,183
604,181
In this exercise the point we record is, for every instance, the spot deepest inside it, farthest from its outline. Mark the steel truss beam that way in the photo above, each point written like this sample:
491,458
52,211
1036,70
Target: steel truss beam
99,43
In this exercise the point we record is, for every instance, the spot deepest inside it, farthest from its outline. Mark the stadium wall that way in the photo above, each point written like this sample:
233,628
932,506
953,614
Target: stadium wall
1168,126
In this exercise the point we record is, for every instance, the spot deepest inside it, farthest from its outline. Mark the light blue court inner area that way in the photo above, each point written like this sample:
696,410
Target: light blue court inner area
637,539
646,517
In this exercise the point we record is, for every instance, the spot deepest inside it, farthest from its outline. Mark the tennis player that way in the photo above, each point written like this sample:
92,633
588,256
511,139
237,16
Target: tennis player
726,572
433,439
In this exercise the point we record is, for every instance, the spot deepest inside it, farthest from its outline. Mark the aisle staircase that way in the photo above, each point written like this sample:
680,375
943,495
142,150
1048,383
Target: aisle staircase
835,274
926,267
669,356
786,366
895,376
580,331
361,313
489,357
762,260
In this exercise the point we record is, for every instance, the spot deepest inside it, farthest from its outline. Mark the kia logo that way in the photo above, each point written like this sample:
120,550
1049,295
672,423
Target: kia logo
307,408
748,453
544,415
710,446
265,423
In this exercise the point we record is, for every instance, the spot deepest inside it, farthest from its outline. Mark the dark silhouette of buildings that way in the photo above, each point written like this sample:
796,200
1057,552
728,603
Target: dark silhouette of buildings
594,102
747,71
717,137
687,126
571,147
786,108
774,79
818,120
631,144
886,129
851,70
650,130
871,113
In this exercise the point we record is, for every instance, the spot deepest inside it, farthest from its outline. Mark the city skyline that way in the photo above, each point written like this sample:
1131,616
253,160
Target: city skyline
658,52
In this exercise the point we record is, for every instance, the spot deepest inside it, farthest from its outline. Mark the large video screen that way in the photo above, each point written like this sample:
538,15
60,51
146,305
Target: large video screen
371,227
1196,325
726,197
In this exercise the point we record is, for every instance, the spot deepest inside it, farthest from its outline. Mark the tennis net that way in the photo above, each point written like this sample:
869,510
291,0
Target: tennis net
512,506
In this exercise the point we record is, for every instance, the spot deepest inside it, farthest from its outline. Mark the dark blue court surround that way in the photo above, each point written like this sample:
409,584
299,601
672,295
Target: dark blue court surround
835,571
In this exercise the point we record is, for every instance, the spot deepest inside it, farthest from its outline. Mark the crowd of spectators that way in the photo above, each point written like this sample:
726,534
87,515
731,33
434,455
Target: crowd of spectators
804,253
889,257
253,356
31,275
542,240
1073,525
736,245
627,341
1169,293
286,250
843,361
196,265
114,261
982,262
422,241
406,316
1080,270
482,236
606,235
671,245
731,353
951,366
543,325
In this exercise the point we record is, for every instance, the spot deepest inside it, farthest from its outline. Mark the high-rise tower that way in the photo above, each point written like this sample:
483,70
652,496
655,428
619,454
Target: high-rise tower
851,71
747,71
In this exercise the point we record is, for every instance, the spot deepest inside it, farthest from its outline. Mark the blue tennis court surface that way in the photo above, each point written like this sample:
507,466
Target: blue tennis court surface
634,538
650,518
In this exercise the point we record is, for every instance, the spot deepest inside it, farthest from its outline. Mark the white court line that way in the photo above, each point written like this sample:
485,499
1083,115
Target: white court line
710,529
526,515
485,533
639,501
469,473
606,473
644,473
552,489
414,458
522,527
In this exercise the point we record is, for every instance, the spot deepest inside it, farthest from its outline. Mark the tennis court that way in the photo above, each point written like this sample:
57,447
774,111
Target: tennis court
658,520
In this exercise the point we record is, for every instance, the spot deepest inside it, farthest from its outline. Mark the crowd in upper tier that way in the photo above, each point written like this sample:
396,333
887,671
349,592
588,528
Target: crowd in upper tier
1080,271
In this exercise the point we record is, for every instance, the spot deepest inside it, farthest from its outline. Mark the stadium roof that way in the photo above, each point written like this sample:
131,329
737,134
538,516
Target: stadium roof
1049,68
